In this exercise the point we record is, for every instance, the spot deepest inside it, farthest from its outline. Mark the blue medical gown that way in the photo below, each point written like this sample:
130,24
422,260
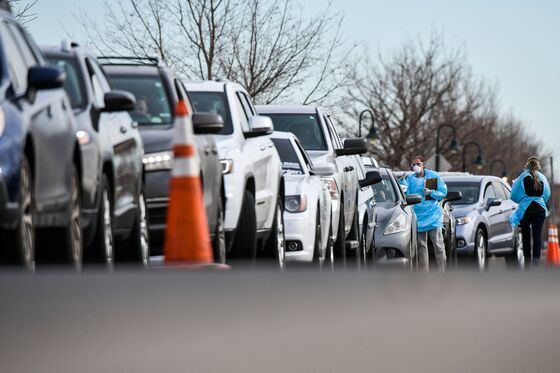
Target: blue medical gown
523,200
428,212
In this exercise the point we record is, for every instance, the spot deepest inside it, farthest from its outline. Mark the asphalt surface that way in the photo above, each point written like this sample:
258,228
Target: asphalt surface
256,320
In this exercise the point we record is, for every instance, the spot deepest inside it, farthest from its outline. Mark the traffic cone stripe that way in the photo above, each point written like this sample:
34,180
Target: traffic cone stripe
183,151
185,167
553,252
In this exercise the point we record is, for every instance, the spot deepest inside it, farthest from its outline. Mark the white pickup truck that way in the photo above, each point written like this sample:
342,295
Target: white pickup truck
253,183
317,133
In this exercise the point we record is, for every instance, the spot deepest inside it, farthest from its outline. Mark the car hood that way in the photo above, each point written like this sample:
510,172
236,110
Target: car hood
156,139
386,212
459,211
293,184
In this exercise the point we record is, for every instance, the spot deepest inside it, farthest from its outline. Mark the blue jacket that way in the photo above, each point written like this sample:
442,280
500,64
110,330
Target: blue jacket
428,212
519,196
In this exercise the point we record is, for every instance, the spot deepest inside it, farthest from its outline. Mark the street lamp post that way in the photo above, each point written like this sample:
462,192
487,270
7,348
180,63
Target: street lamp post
372,135
453,145
498,161
479,162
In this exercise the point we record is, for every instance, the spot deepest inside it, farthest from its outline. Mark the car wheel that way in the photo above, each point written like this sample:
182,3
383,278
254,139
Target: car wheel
362,254
276,245
329,250
516,259
25,231
139,246
73,232
219,244
245,241
103,248
318,257
480,250
340,244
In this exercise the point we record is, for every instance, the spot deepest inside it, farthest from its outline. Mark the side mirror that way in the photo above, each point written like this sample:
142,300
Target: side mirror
42,77
353,147
116,100
413,199
453,196
372,177
259,126
493,202
324,169
207,123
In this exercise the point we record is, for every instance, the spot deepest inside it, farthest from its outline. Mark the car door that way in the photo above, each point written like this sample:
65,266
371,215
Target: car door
120,129
261,157
52,134
494,217
508,208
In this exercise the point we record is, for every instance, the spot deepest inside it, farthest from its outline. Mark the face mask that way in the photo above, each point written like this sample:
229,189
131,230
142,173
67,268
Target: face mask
417,169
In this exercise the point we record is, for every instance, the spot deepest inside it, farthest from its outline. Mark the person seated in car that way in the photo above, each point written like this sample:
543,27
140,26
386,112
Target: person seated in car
141,112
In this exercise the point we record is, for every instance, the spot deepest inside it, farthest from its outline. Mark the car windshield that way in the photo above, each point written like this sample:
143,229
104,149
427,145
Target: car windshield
213,102
290,161
305,126
384,191
469,190
152,102
73,85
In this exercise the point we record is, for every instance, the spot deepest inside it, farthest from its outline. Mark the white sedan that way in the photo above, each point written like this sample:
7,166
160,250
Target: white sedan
307,205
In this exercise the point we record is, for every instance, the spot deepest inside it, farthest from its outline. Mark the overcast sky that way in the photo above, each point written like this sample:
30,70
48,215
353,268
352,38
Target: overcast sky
513,43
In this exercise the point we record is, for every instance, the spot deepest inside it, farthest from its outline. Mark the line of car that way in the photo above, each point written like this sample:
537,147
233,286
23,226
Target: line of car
86,149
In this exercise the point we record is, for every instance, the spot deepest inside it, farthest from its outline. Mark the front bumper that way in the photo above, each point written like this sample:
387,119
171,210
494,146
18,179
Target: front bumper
401,242
466,233
300,227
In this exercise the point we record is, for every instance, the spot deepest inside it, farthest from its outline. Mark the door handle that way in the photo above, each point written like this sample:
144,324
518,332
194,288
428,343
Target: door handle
514,208
348,169
49,112
123,129
270,145
262,147
501,212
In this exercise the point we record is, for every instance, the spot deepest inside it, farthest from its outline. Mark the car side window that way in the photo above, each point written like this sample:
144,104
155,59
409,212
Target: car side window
499,190
332,134
28,55
241,114
99,82
489,192
304,155
507,192
247,103
17,65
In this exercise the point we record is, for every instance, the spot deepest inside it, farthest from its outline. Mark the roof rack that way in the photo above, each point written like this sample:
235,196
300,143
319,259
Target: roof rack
130,60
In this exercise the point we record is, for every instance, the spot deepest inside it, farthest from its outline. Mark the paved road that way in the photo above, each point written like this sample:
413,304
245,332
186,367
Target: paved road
246,320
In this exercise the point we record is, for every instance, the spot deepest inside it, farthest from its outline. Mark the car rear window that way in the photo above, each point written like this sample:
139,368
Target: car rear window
305,126
288,156
213,102
153,106
74,84
469,190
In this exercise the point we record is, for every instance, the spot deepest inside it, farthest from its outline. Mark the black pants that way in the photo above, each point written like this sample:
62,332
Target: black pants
532,226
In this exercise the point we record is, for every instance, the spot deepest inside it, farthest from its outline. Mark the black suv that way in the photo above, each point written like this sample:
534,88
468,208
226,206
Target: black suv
40,162
157,93
113,207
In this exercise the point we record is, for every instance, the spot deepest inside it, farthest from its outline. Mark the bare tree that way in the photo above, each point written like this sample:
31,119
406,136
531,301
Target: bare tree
22,10
270,47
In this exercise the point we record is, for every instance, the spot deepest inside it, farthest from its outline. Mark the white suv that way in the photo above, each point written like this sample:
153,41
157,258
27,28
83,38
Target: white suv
317,133
252,170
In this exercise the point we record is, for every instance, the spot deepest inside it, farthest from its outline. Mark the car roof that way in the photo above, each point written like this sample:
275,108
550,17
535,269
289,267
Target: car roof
470,178
131,69
210,85
67,48
286,109
282,135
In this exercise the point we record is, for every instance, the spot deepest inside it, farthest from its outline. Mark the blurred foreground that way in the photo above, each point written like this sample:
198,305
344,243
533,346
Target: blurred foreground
246,320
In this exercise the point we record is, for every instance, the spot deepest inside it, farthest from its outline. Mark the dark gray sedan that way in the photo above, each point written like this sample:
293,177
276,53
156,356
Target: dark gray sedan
482,218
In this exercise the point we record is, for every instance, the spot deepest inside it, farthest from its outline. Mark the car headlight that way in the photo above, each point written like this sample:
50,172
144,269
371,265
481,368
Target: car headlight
463,220
227,166
330,183
158,161
398,225
2,122
296,203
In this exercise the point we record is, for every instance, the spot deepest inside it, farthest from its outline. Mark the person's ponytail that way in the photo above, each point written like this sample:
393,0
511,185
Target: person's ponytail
533,165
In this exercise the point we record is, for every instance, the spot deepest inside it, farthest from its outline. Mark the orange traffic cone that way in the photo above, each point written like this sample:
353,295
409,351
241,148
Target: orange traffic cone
187,238
553,254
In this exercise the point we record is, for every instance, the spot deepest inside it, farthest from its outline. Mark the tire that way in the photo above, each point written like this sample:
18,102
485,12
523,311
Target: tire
318,257
362,249
23,238
73,232
219,243
480,254
275,246
516,260
340,244
103,246
329,251
245,241
139,246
